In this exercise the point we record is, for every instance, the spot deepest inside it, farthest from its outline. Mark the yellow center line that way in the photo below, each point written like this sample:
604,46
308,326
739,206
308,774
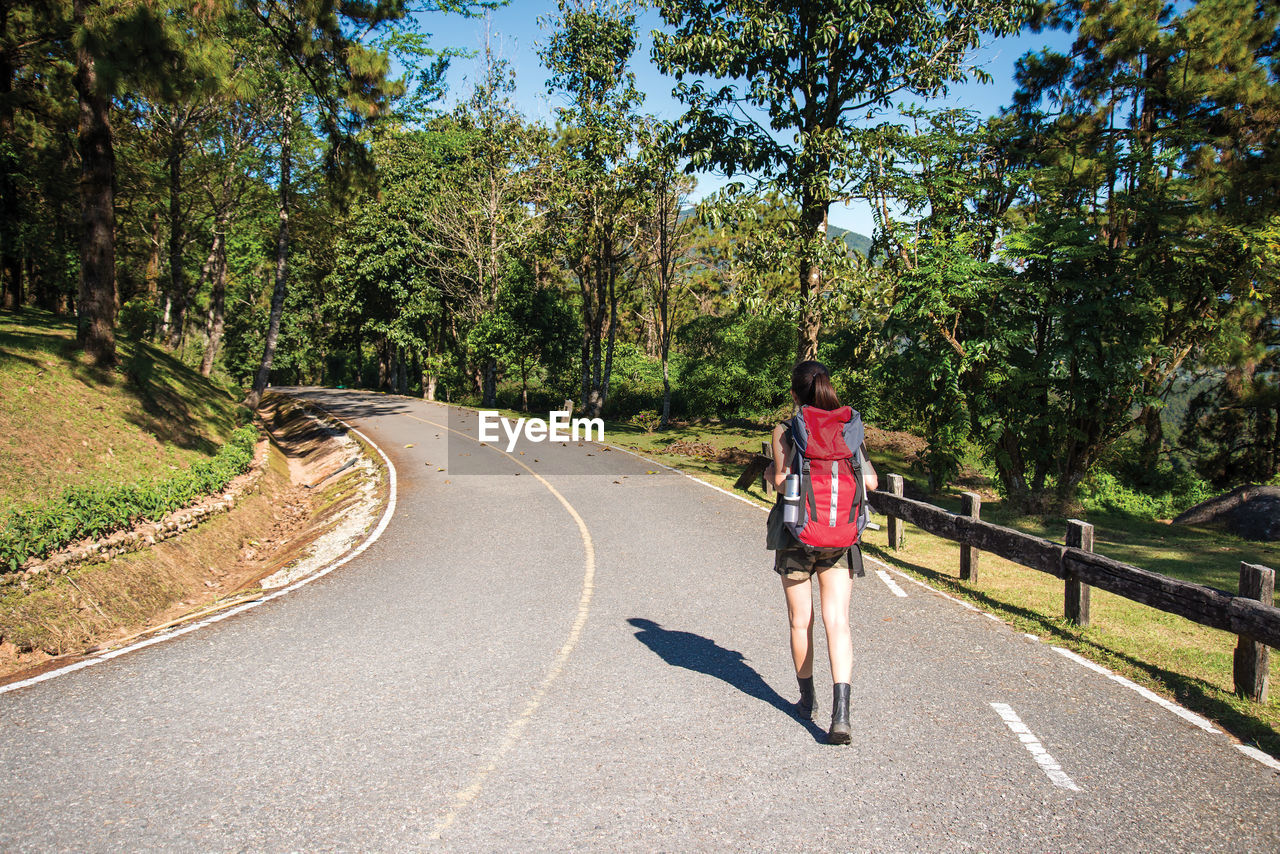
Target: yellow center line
517,727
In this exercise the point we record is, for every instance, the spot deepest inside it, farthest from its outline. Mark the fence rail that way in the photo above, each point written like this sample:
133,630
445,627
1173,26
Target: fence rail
1249,614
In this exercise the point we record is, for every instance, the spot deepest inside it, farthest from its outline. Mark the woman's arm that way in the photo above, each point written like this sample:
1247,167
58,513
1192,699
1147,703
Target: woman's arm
869,476
775,472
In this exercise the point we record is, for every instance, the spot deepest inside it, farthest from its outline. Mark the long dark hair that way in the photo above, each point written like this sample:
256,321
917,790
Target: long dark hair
812,384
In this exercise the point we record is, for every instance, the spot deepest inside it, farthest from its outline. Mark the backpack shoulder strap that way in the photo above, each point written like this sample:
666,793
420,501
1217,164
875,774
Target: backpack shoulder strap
854,433
798,432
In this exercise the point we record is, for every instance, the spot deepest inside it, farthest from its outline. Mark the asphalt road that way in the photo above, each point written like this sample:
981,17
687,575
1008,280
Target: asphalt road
544,658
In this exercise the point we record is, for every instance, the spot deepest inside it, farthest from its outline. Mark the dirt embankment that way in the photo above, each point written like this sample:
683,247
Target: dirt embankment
312,492
1251,512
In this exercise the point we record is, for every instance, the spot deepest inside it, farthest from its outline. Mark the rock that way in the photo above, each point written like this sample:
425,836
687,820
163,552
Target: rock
1251,512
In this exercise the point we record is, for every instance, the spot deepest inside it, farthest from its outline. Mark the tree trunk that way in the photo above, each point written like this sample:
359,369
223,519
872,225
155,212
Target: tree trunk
177,273
10,216
586,364
151,278
1152,438
666,394
218,299
384,366
359,380
97,293
166,306
429,385
282,259
490,393
1010,467
608,357
1273,464
813,217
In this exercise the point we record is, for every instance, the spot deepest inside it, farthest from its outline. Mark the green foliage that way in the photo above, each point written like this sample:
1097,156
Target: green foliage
800,80
635,386
138,317
1152,165
529,327
98,509
739,365
1105,492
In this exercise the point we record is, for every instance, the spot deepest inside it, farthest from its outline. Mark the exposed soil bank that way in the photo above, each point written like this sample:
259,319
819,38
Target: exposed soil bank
310,496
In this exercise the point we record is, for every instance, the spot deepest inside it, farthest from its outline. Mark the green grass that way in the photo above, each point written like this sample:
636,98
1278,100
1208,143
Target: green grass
67,423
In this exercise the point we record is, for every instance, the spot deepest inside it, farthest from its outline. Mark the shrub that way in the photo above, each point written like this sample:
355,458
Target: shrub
635,384
97,509
739,365
1105,492
138,317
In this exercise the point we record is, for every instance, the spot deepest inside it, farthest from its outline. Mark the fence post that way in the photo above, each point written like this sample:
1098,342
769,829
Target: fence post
766,448
971,506
1252,659
895,524
1076,598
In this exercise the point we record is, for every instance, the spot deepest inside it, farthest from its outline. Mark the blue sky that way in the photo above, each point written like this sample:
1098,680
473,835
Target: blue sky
517,36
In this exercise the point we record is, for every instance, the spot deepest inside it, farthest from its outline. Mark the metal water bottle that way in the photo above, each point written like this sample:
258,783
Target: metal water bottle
791,500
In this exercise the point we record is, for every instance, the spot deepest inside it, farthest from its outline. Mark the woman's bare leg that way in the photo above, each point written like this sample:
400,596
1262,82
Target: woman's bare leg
800,614
835,587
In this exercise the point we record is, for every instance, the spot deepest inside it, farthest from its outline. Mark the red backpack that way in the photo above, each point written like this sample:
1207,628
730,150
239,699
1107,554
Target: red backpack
825,453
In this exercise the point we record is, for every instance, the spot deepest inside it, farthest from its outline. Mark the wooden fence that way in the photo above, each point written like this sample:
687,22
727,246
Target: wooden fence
1250,614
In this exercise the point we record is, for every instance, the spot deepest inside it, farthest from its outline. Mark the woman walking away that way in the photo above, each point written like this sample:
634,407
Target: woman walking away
822,475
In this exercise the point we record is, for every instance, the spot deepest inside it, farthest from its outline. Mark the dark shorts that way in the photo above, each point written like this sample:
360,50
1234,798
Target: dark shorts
799,564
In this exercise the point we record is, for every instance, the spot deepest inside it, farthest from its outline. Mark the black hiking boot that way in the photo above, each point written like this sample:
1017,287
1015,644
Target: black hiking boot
804,706
839,732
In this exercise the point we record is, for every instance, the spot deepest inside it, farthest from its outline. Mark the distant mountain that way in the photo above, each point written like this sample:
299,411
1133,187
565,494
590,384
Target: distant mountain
859,243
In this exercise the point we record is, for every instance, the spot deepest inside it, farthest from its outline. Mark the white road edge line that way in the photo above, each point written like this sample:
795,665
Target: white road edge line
231,612
1187,715
1047,763
891,584
684,474
935,591
1254,753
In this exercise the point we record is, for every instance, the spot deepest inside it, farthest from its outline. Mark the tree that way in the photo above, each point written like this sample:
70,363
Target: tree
592,203
666,229
347,79
348,83
529,325
111,44
806,74
480,218
1157,132
384,287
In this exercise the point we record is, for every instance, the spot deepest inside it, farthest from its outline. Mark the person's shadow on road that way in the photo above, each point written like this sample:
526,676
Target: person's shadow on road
703,655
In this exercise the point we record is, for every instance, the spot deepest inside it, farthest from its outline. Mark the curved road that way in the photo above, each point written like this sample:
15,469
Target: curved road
576,653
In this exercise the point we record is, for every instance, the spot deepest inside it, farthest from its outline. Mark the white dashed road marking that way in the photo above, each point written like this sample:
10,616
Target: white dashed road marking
891,584
1041,756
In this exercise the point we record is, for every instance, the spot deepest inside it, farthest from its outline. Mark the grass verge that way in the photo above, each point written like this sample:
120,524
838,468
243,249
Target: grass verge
66,423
